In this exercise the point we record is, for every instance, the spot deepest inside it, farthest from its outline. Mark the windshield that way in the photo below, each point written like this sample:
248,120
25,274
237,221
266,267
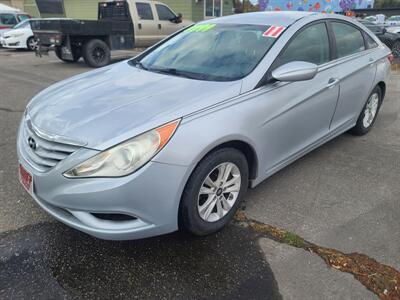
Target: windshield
23,17
218,52
23,24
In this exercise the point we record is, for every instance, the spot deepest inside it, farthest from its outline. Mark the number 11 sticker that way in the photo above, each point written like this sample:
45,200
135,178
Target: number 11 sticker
274,31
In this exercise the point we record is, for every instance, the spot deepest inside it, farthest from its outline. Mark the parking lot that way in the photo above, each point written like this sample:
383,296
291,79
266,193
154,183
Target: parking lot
344,195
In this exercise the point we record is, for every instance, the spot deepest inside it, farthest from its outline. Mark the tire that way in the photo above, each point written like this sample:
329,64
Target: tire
364,124
396,49
192,202
96,53
31,43
75,54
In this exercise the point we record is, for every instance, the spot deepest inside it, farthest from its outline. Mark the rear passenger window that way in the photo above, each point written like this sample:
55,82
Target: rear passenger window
310,45
369,41
349,39
144,11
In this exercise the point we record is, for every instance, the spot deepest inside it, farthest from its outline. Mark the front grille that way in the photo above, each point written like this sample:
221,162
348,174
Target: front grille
43,152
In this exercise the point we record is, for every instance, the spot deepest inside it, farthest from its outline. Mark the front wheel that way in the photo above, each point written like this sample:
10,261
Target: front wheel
96,53
368,115
31,43
213,192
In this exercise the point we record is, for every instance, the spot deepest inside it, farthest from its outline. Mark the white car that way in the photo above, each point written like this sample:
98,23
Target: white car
377,19
393,21
393,29
19,37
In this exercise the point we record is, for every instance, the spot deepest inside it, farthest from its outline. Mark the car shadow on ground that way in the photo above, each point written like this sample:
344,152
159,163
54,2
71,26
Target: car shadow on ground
53,261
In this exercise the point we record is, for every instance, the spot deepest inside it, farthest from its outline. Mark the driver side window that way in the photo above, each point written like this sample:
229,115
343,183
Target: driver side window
164,13
310,45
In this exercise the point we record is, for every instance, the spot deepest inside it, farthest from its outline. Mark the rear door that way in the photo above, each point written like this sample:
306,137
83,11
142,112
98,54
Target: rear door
146,28
166,20
356,68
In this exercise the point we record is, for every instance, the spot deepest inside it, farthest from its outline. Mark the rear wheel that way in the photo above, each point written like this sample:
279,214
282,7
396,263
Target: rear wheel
31,43
96,53
368,115
75,55
213,192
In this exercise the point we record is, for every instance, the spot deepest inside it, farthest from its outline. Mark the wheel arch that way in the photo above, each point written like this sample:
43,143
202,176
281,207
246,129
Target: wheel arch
382,86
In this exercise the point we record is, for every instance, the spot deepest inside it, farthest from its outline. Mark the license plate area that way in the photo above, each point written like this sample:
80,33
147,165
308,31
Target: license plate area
26,179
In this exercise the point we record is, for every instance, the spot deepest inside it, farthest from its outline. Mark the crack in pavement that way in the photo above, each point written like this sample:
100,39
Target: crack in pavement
5,109
381,279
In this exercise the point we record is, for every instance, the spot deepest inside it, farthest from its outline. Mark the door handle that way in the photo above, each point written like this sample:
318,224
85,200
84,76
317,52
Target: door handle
332,82
140,25
371,62
159,26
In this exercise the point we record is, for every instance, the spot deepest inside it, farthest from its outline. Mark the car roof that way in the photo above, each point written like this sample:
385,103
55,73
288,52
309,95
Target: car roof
278,18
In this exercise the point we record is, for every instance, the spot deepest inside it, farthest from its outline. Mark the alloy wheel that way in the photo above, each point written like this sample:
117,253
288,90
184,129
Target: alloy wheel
370,110
219,192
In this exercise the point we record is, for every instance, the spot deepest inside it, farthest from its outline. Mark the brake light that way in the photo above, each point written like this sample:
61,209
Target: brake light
4,27
391,57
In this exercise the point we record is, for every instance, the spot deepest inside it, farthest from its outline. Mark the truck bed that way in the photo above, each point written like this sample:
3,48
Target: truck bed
82,27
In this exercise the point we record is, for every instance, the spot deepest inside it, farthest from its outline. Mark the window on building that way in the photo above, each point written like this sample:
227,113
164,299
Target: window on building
310,45
349,40
144,11
164,13
54,7
213,8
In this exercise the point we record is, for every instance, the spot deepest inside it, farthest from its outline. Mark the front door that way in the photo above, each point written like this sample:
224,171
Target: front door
297,114
166,18
212,9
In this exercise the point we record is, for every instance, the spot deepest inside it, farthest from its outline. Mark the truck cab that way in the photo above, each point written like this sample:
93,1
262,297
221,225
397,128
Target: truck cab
154,21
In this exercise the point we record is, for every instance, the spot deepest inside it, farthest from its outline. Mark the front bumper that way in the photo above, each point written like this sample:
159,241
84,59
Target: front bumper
151,195
14,43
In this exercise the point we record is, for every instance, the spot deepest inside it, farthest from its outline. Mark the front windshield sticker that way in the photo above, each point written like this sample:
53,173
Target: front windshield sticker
274,31
201,28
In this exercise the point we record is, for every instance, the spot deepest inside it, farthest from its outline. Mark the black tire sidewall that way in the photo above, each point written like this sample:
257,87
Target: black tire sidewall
89,47
189,218
360,129
28,42
75,53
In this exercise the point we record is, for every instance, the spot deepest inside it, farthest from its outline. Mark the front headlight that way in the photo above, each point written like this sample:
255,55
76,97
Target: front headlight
125,158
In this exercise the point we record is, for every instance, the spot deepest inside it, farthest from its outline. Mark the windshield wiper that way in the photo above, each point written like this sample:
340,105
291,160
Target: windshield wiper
138,64
179,73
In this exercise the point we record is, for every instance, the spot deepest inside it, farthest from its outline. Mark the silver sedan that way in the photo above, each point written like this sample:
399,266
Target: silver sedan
173,138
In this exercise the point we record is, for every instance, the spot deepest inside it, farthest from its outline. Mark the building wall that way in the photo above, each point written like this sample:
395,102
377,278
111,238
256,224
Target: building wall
81,9
31,8
14,3
87,9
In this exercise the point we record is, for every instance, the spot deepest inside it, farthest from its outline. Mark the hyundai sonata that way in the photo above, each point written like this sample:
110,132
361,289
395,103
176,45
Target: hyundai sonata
172,138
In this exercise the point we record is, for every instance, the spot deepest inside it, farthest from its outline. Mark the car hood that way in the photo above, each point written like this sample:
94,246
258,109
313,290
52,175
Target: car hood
14,31
104,107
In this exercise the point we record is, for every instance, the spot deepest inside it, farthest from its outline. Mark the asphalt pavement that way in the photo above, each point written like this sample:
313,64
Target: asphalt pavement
344,195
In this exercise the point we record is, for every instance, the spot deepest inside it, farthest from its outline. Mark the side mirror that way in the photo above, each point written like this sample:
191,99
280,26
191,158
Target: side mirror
177,19
295,71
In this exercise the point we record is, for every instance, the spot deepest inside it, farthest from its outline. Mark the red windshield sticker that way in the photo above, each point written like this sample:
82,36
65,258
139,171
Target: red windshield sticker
274,31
